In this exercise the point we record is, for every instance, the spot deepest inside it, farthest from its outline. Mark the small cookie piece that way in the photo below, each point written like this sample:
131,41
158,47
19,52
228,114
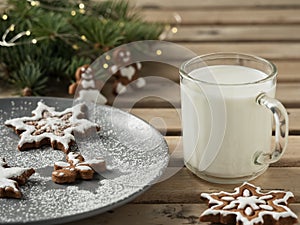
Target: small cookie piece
48,127
76,168
11,178
248,206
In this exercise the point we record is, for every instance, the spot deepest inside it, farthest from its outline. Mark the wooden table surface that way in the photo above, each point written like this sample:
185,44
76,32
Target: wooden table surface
268,28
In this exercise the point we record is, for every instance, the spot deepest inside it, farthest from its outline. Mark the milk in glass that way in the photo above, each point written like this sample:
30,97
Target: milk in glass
247,126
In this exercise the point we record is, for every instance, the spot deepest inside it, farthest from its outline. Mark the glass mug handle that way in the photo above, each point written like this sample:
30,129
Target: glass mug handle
281,129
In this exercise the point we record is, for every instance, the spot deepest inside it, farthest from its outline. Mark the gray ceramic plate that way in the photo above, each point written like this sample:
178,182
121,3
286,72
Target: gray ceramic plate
135,152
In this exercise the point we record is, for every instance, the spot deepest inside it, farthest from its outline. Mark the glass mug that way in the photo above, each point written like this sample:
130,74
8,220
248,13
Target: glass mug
228,111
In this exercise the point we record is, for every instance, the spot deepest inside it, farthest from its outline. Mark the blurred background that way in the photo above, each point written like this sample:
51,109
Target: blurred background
44,42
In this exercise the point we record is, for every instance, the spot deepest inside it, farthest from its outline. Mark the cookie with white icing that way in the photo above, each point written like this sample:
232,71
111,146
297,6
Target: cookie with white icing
76,168
125,71
87,87
49,127
249,206
11,178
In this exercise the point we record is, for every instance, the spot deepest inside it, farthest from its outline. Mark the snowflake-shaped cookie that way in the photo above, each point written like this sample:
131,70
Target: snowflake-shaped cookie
76,168
248,206
10,178
48,127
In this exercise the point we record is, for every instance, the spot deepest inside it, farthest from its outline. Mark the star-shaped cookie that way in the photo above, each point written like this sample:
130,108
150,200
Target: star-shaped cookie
76,168
249,206
49,127
11,178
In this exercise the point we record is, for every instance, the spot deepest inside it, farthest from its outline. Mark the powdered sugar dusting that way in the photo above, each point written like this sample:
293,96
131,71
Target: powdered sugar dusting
135,153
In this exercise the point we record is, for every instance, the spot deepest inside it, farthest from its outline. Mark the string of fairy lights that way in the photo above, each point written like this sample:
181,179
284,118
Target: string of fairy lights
81,9
15,40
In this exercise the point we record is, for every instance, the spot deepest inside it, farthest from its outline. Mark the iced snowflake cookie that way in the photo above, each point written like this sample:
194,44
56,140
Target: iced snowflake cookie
11,178
76,168
248,206
48,127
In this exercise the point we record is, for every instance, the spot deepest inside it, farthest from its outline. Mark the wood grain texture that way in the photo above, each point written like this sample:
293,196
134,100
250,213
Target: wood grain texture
184,187
166,94
235,33
217,4
288,70
154,214
291,157
266,28
168,120
223,16
277,50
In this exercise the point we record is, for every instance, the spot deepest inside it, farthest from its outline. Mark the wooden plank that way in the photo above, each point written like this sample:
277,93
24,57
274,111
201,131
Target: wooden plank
168,120
237,33
288,70
155,214
184,187
294,120
166,93
223,16
291,157
289,94
215,4
277,50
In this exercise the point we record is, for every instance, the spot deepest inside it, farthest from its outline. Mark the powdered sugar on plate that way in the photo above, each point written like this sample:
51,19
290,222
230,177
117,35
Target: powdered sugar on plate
135,153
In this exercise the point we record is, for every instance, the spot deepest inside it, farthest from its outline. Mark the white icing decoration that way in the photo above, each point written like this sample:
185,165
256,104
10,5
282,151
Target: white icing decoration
95,161
266,197
8,183
74,163
124,55
64,135
86,76
266,207
128,72
248,211
246,193
62,164
88,84
92,95
61,174
121,89
12,172
114,69
83,168
252,202
7,174
98,164
138,65
227,198
141,82
73,158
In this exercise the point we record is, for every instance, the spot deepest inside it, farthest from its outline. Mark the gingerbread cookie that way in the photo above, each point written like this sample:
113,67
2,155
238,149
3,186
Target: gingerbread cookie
48,127
87,87
125,74
11,178
76,168
249,206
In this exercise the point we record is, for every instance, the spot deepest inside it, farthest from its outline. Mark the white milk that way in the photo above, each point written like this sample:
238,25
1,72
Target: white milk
248,125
